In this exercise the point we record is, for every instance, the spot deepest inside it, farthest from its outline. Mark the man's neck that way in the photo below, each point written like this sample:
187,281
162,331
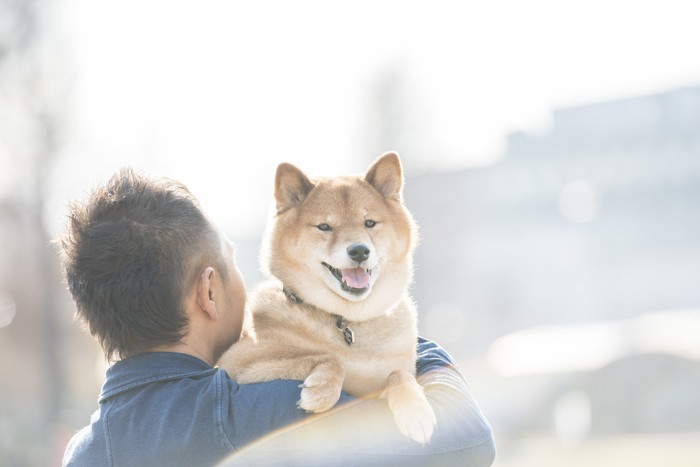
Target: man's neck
184,348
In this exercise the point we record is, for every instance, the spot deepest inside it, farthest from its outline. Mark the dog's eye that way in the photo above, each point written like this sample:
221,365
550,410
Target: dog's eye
369,223
324,227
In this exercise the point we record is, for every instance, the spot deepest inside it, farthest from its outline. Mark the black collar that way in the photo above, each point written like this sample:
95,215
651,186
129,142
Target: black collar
340,322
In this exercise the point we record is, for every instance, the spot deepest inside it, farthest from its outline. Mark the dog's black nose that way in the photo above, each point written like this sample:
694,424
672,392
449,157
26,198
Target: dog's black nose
358,252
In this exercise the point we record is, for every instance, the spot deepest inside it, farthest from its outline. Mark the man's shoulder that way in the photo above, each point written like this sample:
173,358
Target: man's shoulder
194,417
162,421
88,446
151,368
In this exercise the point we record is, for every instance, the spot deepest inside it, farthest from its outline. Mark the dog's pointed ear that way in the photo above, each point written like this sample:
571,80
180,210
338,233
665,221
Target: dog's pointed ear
291,187
386,176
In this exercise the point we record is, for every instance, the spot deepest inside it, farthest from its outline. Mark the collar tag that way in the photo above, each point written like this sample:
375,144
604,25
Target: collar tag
342,325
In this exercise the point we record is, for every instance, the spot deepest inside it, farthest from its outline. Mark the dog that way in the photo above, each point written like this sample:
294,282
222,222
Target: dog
336,313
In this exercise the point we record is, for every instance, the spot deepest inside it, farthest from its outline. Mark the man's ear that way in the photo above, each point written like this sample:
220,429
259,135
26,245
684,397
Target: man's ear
291,187
206,292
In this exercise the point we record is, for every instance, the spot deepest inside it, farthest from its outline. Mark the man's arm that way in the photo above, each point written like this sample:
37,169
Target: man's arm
363,432
259,409
463,432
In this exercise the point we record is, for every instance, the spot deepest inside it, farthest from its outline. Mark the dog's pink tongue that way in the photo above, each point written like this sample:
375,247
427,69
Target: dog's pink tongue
357,278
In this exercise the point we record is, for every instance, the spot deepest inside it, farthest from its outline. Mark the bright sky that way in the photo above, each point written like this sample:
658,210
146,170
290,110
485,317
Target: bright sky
216,93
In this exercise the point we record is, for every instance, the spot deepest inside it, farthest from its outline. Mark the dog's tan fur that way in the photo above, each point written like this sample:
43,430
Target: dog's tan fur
294,334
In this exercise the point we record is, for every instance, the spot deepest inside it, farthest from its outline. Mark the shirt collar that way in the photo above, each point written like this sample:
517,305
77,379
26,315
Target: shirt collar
148,368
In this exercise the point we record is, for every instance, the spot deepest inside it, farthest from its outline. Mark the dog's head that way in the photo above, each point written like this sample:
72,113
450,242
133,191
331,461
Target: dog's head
343,244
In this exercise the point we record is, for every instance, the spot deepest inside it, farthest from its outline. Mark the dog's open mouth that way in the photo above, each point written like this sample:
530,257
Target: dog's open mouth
353,280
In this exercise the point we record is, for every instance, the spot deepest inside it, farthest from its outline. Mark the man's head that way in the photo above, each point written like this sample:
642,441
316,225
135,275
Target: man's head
133,254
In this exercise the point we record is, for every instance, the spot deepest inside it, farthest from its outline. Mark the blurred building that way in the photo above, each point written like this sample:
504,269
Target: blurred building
598,218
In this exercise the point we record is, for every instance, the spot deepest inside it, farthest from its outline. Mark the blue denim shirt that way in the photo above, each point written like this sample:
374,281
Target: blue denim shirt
173,409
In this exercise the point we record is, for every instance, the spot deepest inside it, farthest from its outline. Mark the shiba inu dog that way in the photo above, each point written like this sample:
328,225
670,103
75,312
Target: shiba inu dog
336,313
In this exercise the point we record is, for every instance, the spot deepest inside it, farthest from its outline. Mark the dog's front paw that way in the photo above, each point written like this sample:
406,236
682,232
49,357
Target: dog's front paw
415,420
320,391
412,413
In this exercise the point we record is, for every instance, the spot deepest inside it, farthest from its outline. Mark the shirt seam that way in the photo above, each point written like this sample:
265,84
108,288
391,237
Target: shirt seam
220,411
108,437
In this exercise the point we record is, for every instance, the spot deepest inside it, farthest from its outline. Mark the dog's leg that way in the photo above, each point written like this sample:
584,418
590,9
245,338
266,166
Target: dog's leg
322,375
321,388
412,413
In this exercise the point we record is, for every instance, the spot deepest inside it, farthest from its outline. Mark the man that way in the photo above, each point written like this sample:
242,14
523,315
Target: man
158,286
